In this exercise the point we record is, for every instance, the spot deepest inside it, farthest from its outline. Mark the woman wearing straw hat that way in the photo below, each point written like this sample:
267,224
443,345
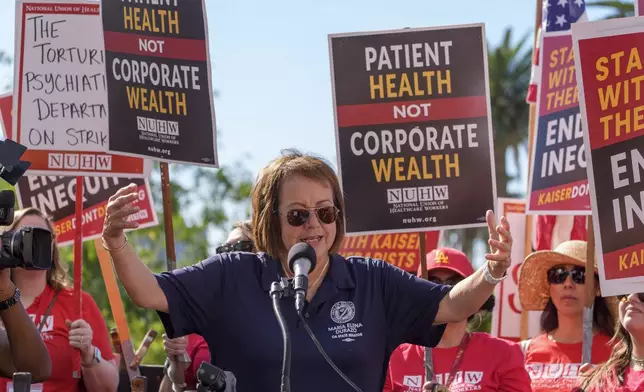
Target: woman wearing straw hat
553,281
624,370
461,359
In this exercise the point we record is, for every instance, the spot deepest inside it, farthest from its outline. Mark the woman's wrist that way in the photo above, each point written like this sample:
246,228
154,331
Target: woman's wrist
88,359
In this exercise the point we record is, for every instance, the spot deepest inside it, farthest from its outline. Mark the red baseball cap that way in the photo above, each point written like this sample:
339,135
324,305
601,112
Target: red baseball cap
450,259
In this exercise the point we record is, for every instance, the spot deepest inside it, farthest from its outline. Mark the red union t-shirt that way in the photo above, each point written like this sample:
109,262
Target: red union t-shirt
489,364
197,350
55,334
554,367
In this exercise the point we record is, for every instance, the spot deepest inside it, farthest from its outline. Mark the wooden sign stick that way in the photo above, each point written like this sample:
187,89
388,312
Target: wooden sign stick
118,311
587,337
532,121
166,191
78,266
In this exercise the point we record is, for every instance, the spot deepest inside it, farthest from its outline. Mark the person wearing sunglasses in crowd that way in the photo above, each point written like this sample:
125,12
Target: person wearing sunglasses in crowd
554,282
194,347
359,309
624,370
461,361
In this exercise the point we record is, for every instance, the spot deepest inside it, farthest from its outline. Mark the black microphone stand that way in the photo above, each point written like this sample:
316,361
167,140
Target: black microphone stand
279,290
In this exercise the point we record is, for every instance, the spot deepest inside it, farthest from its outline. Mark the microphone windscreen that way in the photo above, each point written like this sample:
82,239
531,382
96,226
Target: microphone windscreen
299,251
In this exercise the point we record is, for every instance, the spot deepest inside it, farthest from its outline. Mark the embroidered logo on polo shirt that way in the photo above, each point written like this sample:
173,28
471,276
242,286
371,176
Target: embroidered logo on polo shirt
341,313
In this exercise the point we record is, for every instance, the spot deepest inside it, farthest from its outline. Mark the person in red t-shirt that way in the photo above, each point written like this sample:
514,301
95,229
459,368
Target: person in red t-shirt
553,281
624,370
194,345
462,360
52,307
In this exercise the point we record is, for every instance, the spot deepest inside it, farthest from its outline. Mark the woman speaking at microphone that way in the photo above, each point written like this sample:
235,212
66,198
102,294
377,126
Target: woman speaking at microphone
225,299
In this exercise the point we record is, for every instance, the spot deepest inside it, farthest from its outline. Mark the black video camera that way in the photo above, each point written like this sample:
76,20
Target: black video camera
212,379
27,247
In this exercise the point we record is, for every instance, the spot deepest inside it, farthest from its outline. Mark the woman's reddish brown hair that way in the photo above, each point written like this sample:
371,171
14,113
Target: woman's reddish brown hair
267,231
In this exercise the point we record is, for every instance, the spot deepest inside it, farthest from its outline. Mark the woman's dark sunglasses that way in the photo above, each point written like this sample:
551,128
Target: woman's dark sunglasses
558,275
451,281
299,216
624,297
239,246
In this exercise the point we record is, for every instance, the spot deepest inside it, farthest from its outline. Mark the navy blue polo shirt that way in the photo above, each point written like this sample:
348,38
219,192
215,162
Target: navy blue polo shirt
362,311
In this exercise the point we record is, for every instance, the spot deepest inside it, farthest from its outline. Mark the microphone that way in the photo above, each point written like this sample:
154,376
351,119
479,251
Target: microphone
301,261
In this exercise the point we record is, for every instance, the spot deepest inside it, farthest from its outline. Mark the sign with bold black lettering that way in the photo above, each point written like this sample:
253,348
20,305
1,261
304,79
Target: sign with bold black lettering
60,99
56,197
413,126
158,80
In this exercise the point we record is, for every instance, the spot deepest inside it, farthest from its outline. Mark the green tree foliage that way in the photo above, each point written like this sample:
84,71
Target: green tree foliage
617,9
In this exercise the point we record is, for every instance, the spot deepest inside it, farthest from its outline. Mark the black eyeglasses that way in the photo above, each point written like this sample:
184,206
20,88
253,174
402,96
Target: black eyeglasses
299,216
558,275
451,281
624,297
239,246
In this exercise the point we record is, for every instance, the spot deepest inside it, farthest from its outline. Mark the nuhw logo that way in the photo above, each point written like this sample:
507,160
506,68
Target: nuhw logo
416,194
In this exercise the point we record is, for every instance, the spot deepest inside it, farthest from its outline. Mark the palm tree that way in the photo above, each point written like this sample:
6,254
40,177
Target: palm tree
620,9
509,68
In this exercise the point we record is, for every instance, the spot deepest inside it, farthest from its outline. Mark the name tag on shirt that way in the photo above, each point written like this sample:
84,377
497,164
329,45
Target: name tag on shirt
34,387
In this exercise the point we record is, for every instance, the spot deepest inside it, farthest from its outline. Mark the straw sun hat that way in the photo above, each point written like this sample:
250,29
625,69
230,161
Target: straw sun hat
534,289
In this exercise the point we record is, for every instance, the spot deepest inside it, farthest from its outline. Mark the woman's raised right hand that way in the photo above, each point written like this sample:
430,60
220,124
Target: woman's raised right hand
119,207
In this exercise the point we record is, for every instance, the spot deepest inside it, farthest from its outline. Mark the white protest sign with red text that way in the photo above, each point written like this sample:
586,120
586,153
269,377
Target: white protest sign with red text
61,94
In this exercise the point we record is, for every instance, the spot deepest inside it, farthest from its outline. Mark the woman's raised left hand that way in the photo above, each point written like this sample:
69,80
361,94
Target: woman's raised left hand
500,242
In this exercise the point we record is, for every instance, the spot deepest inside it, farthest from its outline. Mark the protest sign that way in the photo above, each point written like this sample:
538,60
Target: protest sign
158,80
506,317
608,57
413,128
56,197
61,100
399,249
558,182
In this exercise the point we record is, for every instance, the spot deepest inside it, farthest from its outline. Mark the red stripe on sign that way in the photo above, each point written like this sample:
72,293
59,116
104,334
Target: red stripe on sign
573,196
411,111
173,48
625,263
61,9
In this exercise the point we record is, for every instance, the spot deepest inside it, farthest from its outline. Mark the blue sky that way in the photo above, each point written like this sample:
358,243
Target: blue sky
271,62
